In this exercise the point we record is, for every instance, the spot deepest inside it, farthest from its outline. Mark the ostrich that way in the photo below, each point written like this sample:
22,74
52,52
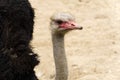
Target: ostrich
17,59
61,23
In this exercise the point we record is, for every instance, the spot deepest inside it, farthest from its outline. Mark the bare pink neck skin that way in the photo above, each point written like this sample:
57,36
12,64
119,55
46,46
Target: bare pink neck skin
60,57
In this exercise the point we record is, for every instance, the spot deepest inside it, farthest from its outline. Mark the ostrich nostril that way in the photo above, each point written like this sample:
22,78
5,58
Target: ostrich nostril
73,24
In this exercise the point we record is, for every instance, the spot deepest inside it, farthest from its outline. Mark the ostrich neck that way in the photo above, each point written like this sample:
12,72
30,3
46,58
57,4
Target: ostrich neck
60,57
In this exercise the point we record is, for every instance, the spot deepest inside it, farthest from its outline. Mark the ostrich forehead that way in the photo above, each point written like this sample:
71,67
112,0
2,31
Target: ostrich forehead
63,17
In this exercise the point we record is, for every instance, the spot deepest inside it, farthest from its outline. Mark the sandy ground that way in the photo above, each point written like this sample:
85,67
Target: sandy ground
94,52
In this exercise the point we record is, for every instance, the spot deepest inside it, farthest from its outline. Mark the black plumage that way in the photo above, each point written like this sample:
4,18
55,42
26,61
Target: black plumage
17,60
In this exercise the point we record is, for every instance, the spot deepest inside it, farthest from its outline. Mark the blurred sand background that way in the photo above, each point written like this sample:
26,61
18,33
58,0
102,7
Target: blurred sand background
94,52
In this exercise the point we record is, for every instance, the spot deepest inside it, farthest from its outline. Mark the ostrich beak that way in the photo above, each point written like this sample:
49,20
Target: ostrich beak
74,25
70,26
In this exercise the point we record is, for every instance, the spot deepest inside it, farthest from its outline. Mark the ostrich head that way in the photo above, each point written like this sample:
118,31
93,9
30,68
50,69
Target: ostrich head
62,23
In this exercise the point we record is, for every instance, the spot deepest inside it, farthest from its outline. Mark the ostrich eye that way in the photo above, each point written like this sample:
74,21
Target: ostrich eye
59,22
